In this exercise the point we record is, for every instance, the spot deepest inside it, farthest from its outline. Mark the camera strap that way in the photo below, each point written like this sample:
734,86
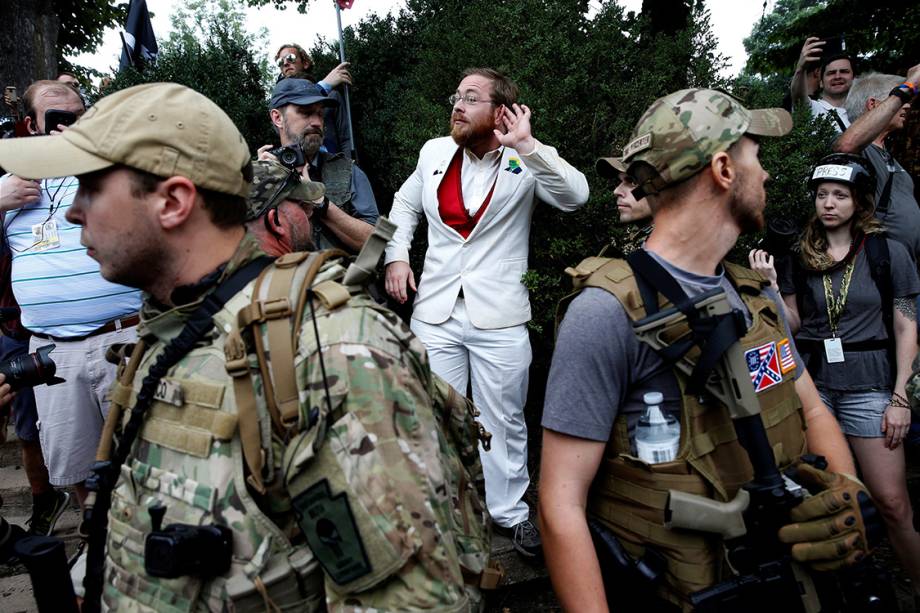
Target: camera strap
106,473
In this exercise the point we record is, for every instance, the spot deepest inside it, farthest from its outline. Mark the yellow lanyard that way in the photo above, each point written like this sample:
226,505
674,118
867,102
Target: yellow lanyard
835,306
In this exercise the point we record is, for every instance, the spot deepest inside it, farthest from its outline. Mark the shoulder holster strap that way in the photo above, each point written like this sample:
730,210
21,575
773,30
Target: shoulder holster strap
713,335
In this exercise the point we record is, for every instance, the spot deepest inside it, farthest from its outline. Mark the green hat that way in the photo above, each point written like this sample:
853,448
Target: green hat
272,183
680,133
165,129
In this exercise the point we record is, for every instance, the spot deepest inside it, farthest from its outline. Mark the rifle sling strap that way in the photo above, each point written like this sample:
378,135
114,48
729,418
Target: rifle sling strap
713,335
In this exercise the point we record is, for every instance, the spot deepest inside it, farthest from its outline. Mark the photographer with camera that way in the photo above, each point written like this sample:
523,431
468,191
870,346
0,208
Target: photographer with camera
347,217
64,300
823,65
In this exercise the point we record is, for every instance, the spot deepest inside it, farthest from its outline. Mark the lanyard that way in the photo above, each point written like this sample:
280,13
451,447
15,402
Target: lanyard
836,305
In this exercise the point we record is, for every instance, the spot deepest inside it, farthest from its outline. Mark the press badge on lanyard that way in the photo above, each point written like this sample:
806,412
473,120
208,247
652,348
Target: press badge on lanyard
833,350
45,236
833,347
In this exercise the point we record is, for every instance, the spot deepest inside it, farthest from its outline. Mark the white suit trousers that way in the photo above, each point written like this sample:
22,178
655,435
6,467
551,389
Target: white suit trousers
498,362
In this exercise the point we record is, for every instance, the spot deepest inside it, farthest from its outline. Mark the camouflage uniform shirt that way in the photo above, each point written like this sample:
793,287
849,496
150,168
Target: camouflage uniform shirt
367,473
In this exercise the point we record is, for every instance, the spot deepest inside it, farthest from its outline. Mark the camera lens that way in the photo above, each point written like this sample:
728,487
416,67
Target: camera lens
288,157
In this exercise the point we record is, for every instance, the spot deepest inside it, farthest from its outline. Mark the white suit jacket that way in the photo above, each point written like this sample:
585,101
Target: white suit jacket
488,265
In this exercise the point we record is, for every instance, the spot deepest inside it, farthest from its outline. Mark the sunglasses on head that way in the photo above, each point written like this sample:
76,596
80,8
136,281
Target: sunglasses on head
290,58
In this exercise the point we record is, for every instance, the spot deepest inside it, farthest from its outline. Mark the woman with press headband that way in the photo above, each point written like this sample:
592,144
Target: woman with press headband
856,330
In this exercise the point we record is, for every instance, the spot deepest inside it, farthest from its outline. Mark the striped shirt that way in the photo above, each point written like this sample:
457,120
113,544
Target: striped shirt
59,287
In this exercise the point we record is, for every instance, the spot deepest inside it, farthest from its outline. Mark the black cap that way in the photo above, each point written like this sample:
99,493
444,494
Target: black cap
300,92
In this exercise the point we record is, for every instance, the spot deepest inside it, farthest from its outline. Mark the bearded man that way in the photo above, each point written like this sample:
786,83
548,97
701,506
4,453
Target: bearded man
347,217
478,189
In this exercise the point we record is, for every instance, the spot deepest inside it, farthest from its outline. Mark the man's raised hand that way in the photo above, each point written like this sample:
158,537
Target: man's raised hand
517,134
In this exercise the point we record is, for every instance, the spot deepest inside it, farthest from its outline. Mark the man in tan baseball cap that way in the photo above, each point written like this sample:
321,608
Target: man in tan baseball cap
694,156
214,441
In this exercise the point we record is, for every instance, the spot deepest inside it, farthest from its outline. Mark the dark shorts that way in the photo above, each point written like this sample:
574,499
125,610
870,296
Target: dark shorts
25,415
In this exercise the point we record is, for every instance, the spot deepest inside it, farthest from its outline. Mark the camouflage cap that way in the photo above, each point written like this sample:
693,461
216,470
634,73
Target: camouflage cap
610,168
272,183
680,133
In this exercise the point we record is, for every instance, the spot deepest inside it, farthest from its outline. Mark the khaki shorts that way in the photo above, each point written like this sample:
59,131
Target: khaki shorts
71,414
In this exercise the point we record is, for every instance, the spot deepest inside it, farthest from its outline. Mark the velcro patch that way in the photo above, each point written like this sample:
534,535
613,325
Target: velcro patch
329,525
763,365
638,144
786,360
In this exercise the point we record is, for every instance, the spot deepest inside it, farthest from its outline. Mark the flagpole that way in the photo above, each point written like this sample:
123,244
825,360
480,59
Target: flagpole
351,134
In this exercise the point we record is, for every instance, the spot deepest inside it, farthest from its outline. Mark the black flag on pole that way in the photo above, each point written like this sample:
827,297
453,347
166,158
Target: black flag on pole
139,45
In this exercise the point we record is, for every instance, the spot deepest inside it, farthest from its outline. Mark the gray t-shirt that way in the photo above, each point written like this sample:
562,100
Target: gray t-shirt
600,367
902,220
861,321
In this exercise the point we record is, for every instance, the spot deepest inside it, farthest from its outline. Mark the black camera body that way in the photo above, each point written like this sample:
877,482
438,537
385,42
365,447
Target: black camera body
32,369
181,550
291,156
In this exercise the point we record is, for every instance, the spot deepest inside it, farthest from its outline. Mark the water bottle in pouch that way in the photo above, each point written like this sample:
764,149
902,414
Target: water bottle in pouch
657,433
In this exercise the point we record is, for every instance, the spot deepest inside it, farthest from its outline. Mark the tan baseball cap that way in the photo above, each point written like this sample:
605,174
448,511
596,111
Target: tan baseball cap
680,133
610,168
165,129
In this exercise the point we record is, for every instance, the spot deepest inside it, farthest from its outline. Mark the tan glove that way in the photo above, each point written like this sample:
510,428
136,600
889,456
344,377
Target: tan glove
830,527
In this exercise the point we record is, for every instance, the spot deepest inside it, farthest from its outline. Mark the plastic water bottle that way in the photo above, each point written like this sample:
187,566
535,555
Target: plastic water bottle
657,434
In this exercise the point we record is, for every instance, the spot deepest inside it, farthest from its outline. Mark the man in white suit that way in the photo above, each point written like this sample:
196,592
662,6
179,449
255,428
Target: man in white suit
477,189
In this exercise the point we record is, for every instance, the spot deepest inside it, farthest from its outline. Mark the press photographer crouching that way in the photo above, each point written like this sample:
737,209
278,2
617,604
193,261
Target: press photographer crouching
850,297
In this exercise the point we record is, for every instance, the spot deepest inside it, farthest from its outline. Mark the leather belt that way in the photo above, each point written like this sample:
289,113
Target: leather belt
112,326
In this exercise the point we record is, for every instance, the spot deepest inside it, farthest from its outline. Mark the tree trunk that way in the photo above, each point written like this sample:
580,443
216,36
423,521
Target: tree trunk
28,41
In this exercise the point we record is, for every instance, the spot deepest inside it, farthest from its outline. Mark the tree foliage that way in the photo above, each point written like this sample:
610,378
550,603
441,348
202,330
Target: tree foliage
210,51
83,23
883,35
880,35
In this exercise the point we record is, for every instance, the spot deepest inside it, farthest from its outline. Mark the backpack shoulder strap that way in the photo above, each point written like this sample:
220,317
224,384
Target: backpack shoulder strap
279,295
879,258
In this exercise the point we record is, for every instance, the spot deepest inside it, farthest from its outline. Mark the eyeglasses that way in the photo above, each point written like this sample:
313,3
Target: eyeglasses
290,58
468,99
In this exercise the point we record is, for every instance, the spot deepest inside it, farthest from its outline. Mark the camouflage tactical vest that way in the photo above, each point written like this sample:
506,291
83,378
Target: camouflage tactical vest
629,496
199,428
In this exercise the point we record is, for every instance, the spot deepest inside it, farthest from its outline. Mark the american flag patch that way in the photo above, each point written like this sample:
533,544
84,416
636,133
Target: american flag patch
786,361
763,364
